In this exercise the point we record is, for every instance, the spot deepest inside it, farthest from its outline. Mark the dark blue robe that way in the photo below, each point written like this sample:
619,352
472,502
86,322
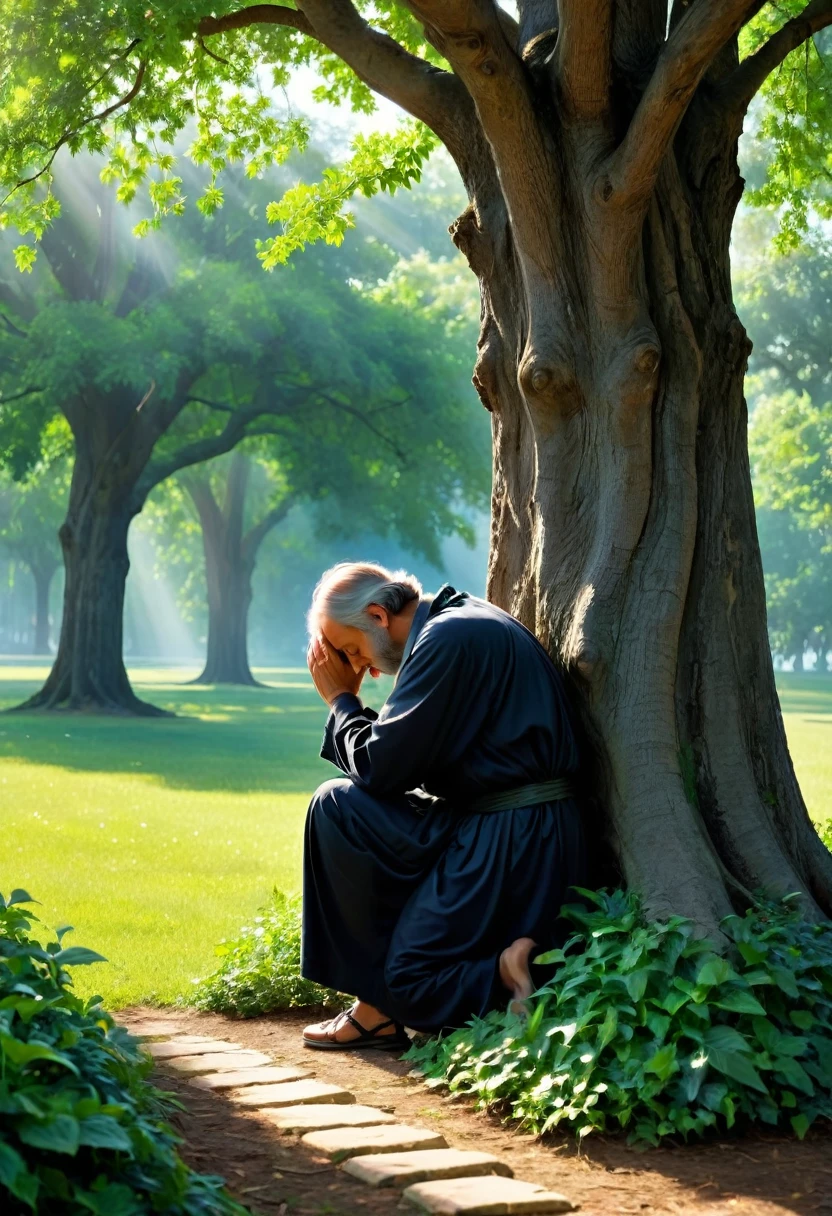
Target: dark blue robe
408,898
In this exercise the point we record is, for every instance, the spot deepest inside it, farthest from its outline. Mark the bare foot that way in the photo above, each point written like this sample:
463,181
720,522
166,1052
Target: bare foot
340,1030
515,973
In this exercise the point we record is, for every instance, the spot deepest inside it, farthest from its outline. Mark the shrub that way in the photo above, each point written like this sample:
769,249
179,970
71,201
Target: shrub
643,1027
81,1129
260,970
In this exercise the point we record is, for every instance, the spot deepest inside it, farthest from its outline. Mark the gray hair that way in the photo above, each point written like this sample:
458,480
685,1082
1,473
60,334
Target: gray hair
345,592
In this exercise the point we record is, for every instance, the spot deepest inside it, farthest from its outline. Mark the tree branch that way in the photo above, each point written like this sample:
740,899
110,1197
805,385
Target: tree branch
738,89
697,37
255,14
11,327
99,117
258,533
26,392
428,93
583,52
212,405
473,38
196,452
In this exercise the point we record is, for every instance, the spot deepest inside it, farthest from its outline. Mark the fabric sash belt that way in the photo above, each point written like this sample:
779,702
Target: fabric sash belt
522,796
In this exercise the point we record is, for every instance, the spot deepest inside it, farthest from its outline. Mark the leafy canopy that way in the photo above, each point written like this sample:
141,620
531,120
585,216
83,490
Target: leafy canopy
124,79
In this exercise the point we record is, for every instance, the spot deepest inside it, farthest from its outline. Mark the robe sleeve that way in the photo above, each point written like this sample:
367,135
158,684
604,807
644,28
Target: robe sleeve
435,709
347,706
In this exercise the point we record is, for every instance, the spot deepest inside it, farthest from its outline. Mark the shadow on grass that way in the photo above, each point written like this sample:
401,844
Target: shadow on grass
241,740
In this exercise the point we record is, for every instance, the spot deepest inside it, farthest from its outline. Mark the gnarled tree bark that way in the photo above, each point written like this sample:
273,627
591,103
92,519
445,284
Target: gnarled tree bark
599,152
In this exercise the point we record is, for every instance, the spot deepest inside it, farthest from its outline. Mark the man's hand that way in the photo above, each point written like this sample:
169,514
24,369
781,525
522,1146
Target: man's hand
330,674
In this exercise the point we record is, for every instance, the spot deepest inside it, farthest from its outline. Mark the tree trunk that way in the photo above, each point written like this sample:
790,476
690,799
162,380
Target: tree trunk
230,558
623,529
88,672
228,572
42,575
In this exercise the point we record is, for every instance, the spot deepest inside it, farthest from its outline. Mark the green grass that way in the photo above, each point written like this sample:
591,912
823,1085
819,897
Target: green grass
157,838
806,701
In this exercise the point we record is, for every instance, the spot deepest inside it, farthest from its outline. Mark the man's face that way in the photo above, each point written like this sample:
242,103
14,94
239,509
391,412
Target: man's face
371,650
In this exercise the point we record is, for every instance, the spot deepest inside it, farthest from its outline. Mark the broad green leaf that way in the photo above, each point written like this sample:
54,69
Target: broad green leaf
77,956
27,1053
715,971
800,1125
736,1066
102,1131
58,1135
740,1002
19,896
11,1164
663,1063
725,1038
785,981
794,1073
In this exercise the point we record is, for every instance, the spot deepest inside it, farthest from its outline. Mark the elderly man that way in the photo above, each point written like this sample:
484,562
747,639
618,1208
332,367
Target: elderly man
439,861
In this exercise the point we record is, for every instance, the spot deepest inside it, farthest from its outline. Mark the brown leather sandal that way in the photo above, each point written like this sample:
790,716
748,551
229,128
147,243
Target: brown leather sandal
366,1038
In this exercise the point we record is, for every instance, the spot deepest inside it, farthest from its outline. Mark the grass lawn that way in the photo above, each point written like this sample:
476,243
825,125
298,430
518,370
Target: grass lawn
157,838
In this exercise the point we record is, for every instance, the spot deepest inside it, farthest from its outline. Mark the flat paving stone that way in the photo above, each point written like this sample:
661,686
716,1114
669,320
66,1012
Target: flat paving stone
221,1061
342,1142
401,1169
249,1076
151,1030
318,1118
485,1197
293,1093
188,1047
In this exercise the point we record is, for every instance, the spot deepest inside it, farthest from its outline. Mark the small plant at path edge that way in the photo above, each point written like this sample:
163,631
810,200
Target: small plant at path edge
260,970
643,1027
81,1128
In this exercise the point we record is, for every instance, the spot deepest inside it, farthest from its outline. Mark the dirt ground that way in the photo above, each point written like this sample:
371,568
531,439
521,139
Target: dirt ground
750,1175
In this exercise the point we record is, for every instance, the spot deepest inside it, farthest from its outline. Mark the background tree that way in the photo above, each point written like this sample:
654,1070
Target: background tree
597,144
31,511
225,353
787,299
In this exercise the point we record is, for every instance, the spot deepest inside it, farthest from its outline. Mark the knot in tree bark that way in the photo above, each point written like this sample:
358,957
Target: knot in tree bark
470,240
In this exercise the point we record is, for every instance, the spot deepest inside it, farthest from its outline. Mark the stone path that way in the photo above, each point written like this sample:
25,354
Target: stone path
365,1142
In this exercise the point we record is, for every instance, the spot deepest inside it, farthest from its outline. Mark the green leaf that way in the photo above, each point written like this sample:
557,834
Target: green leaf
59,1135
736,1066
785,981
11,1164
715,971
725,1038
103,1131
19,896
740,1002
26,1053
77,956
663,1063
636,983
752,952
25,257
803,1019
800,1125
794,1073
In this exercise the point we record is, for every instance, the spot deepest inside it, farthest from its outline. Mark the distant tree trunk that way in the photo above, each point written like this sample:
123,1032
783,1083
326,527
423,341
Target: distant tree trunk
88,672
42,573
230,559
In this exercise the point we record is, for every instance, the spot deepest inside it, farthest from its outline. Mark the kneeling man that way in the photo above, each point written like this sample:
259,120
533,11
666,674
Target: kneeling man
440,860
